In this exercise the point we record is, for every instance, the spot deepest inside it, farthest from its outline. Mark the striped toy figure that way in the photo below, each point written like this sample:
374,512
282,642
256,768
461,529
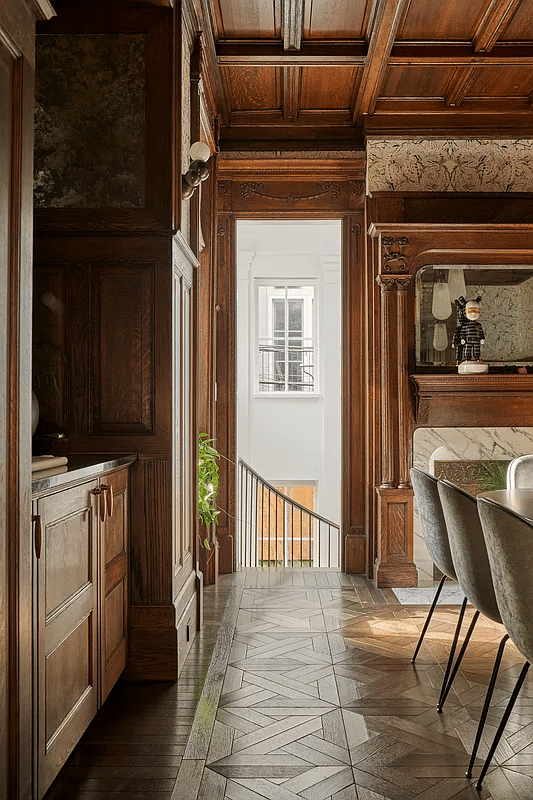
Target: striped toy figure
469,334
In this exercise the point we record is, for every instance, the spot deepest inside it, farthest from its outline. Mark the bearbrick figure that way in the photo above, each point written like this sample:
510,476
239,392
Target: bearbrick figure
469,335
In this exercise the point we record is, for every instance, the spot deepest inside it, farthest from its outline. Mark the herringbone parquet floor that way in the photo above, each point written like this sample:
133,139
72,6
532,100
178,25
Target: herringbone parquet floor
319,701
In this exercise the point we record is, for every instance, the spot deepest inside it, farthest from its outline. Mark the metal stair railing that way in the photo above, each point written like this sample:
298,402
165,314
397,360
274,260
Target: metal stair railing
277,531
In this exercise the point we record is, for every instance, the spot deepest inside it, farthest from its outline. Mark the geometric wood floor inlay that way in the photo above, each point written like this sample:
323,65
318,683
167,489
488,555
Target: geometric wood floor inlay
320,701
300,687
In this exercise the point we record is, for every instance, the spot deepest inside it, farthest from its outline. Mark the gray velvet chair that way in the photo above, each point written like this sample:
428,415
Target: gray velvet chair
520,473
509,540
471,561
436,539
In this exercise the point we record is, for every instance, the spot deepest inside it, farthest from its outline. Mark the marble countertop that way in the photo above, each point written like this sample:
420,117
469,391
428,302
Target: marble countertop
80,466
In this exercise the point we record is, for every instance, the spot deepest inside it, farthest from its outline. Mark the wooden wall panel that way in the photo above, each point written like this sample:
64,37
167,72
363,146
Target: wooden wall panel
122,351
117,306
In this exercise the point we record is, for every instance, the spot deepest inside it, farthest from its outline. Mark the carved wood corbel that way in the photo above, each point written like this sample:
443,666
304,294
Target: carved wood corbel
393,255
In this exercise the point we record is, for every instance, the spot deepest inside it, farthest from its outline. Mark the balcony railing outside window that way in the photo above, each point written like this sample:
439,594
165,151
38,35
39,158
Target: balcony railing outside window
286,366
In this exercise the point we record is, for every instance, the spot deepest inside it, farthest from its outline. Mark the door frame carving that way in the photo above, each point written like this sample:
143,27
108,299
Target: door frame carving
297,188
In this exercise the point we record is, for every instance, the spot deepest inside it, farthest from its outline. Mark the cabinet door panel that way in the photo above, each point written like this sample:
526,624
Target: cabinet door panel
66,659
68,553
114,595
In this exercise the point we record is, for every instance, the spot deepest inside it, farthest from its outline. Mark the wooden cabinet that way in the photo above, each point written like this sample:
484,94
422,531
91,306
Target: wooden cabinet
114,579
81,602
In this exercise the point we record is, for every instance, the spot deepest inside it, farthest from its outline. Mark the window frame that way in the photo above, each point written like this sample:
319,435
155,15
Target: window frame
310,311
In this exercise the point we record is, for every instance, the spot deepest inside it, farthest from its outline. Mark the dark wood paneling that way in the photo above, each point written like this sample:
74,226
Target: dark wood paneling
394,563
151,532
226,388
118,311
6,99
353,387
122,350
158,25
464,209
49,325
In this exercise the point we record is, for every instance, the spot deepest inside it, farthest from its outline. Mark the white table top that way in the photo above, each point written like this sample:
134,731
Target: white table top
518,500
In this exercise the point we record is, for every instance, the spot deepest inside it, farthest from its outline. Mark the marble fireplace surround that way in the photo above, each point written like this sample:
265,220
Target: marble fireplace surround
460,444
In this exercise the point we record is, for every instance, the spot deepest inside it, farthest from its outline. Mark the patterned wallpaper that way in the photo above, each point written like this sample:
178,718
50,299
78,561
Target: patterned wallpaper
89,121
436,165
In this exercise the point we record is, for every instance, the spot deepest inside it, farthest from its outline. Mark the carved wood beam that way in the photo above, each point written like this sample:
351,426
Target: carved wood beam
43,9
209,32
292,24
272,53
458,86
291,92
387,21
354,53
493,23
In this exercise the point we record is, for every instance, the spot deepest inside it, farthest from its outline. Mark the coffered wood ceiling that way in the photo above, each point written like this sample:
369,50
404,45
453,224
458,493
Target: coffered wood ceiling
328,73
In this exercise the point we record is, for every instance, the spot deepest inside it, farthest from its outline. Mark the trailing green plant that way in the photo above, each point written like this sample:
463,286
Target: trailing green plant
208,476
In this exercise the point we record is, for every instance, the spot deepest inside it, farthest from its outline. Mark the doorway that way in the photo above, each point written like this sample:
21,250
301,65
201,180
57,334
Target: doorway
289,364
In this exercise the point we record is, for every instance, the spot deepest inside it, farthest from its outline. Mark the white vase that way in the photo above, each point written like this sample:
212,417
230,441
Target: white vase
34,412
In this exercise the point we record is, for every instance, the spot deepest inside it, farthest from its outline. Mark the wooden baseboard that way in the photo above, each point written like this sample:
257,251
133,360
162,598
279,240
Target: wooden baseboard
390,575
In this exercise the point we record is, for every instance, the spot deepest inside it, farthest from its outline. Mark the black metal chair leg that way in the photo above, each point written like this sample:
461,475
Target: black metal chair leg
428,618
448,686
503,723
453,648
488,698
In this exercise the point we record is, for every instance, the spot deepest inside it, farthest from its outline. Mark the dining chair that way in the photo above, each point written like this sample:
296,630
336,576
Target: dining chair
471,561
508,540
520,473
436,539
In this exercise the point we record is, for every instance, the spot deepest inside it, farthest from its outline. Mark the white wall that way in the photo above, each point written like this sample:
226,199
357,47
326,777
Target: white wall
293,437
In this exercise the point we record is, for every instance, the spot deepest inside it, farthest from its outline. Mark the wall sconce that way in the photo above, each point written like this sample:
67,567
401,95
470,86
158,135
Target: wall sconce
198,170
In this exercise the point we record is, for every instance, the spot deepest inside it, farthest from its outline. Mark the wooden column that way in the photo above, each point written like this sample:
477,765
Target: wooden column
353,410
394,563
226,390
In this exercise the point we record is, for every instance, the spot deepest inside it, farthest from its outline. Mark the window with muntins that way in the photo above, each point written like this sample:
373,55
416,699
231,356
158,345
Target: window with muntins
286,341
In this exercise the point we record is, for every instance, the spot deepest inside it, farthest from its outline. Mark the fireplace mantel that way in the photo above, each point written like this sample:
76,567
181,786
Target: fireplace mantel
473,400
